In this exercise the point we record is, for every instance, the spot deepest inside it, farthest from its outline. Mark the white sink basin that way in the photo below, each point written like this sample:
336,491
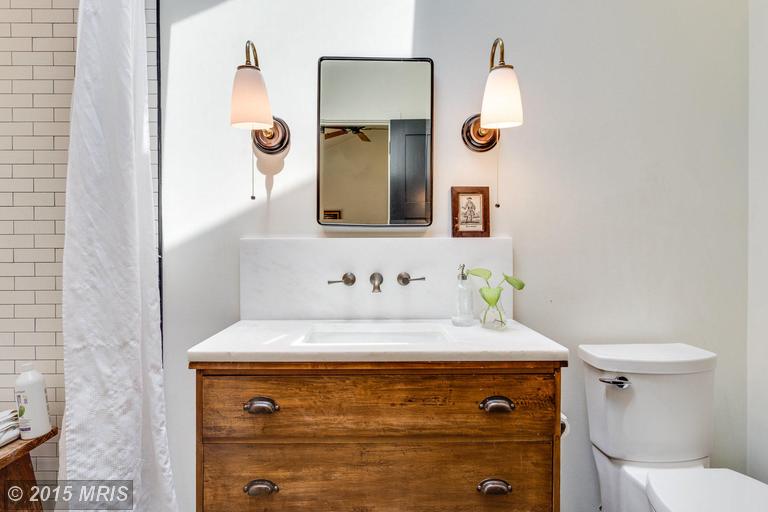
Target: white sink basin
373,334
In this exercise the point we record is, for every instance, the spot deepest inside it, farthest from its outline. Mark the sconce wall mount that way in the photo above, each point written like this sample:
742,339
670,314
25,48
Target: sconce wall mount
272,141
501,108
251,108
477,138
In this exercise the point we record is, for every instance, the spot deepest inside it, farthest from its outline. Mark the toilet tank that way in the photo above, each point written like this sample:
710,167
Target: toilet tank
655,401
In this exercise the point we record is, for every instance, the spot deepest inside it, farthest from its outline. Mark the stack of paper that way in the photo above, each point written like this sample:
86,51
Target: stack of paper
9,426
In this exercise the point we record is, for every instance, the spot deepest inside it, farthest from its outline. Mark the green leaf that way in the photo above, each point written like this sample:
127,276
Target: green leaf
491,295
516,283
482,273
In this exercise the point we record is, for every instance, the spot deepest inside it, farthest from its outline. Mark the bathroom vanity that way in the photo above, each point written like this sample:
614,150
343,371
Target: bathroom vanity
375,416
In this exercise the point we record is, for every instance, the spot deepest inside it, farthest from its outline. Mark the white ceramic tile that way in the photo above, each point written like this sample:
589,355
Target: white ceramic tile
37,43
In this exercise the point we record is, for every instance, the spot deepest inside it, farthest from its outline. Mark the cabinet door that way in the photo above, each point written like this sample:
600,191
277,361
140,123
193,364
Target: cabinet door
379,477
409,171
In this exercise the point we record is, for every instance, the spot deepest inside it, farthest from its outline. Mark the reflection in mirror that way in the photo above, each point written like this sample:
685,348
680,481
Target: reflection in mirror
374,142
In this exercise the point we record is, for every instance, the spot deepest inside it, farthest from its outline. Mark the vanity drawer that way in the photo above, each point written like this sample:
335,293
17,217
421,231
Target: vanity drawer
378,477
324,407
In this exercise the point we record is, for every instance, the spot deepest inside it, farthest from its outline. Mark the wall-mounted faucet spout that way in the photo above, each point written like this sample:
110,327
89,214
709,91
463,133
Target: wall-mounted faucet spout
376,280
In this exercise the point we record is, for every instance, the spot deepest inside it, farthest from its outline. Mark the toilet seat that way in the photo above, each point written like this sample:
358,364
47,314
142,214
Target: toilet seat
705,490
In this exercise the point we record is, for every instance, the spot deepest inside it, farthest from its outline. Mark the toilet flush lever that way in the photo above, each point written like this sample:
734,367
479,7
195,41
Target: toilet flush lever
620,382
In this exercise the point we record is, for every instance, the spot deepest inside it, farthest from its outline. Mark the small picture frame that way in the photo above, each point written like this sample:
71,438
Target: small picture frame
470,211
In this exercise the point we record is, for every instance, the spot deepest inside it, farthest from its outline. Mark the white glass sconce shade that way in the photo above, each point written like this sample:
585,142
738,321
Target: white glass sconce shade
250,102
250,110
502,103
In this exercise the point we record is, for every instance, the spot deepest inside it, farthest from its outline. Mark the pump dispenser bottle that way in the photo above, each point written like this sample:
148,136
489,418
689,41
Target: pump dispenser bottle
464,311
32,403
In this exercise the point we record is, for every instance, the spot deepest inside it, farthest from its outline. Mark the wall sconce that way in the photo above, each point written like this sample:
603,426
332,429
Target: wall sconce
251,109
502,105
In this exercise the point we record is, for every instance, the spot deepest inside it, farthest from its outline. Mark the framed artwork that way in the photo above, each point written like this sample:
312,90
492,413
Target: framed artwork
470,211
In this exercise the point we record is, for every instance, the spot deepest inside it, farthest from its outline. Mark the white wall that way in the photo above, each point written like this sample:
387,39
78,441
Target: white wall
757,348
374,91
625,189
355,177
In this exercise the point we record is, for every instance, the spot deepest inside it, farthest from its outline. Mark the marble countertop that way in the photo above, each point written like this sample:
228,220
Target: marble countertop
373,340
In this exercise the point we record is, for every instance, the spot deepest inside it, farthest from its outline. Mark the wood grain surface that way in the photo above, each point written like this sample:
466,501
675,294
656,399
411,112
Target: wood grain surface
403,477
376,437
16,466
20,447
322,408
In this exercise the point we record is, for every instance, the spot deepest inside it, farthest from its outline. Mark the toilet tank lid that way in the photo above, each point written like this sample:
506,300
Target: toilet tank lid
705,490
657,358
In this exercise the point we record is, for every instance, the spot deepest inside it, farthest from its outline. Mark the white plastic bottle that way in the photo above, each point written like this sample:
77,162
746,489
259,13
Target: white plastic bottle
464,314
32,403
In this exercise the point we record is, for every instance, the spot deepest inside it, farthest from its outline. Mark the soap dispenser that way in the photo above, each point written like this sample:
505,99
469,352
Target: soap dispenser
32,403
464,310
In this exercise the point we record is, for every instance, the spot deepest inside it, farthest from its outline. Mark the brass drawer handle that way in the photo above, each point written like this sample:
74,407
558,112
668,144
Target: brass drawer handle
497,404
260,488
261,405
494,487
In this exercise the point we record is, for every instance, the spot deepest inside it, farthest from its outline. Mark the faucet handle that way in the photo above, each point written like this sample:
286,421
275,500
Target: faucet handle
348,279
404,278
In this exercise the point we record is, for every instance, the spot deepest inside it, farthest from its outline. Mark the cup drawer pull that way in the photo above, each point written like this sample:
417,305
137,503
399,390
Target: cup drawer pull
260,488
497,404
494,487
261,405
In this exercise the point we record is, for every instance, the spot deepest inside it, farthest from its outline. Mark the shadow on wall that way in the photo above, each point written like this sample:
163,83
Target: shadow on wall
624,193
464,34
206,163
618,218
207,302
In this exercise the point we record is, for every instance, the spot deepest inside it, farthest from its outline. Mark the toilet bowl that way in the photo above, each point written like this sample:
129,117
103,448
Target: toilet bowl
705,490
623,483
650,423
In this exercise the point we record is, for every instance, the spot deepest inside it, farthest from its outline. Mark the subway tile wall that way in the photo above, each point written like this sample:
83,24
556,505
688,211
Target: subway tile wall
37,67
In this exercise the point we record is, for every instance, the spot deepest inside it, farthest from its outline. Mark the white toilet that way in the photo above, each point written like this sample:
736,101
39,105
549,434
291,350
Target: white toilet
650,423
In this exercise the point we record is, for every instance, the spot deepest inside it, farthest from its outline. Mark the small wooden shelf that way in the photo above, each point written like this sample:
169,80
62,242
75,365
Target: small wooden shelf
17,449
16,464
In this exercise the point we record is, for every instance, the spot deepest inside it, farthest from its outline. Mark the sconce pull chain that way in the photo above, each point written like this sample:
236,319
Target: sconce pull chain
498,178
253,177
500,44
251,48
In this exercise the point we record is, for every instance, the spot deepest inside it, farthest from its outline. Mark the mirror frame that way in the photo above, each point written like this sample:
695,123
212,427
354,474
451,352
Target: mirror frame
380,227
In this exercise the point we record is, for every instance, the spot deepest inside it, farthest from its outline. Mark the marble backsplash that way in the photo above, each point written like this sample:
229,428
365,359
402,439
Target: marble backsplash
286,278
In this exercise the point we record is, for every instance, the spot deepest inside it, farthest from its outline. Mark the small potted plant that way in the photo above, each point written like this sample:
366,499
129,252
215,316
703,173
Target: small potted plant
492,297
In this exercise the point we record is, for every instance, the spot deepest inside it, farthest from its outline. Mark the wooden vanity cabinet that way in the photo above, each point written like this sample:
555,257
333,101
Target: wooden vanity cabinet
378,437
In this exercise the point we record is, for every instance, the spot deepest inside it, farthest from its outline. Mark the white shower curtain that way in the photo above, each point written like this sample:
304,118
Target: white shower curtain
114,422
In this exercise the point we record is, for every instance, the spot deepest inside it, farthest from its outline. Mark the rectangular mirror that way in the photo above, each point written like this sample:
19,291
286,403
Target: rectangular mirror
374,165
